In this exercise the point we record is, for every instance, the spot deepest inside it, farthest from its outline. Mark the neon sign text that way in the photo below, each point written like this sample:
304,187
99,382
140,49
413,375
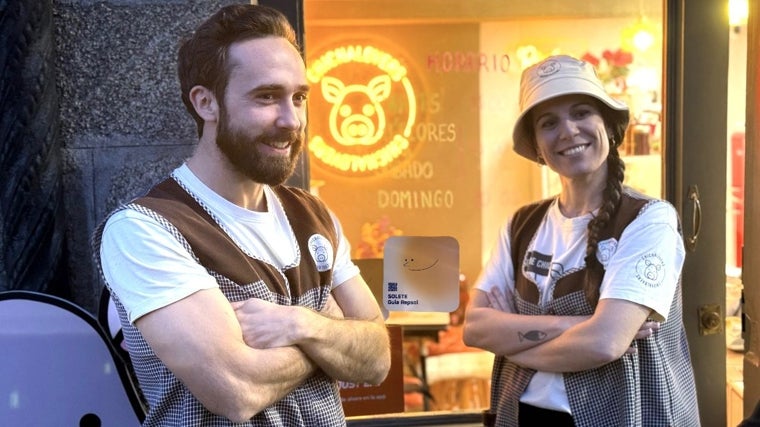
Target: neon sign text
360,138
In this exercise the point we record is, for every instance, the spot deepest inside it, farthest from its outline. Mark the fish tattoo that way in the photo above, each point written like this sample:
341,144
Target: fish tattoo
531,336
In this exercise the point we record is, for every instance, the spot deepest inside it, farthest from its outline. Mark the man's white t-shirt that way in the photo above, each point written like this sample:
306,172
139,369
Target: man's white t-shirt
148,268
643,267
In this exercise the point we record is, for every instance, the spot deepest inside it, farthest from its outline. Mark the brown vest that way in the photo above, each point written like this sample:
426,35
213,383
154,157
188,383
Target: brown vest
240,277
219,254
509,380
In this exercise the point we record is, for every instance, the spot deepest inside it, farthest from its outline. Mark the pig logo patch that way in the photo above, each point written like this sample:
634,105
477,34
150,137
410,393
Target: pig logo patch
367,110
650,270
321,252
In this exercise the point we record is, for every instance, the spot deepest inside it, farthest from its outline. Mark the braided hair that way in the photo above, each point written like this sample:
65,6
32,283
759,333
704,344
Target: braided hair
611,197
613,192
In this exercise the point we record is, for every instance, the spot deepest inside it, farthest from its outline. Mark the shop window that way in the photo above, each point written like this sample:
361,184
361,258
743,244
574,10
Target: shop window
410,121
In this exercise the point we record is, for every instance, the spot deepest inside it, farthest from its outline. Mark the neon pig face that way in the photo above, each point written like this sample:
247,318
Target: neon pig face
357,117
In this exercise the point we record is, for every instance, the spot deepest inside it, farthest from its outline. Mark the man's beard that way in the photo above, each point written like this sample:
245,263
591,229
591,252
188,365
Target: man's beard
243,153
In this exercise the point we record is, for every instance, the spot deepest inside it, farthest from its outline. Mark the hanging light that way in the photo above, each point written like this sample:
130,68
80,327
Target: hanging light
640,35
738,10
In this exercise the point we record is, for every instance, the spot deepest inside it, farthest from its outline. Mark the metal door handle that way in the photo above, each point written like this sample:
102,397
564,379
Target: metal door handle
710,319
696,220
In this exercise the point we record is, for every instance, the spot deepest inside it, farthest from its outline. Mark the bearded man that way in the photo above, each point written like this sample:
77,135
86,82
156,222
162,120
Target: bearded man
237,296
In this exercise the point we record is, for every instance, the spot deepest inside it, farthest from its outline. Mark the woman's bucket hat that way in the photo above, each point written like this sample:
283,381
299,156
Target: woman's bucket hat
556,76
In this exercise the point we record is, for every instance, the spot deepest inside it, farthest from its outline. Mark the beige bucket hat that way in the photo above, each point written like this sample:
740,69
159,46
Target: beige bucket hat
556,76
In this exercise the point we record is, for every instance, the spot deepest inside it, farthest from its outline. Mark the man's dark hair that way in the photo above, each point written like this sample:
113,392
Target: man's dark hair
203,56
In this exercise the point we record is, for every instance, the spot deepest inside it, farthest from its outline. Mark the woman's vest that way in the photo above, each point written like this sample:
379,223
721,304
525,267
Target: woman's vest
655,386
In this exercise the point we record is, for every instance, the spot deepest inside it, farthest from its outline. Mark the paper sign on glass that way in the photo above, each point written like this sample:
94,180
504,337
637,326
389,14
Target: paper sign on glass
421,273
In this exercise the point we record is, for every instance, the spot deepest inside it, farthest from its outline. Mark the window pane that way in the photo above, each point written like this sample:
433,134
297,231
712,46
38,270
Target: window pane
411,115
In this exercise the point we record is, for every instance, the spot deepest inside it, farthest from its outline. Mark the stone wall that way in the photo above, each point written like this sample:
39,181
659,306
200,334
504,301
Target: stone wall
91,117
123,124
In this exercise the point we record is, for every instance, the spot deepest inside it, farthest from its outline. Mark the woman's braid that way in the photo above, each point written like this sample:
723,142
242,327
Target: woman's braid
611,201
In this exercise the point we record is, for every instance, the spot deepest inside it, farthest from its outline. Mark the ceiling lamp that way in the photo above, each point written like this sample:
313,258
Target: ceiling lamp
640,35
738,10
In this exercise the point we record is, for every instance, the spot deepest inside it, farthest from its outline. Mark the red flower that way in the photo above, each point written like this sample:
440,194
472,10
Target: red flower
612,66
591,59
618,58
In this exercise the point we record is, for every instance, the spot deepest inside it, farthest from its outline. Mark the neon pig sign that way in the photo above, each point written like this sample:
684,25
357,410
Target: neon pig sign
371,111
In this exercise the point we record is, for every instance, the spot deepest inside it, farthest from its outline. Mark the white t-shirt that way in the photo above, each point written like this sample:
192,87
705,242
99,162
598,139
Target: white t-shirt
148,268
643,267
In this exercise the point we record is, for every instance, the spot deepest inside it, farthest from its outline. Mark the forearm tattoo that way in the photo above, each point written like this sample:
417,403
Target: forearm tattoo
534,335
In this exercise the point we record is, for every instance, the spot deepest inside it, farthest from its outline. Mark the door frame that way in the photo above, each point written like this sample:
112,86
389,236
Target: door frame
696,57
751,272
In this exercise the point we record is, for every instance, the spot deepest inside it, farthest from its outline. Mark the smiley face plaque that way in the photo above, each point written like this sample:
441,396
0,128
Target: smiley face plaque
421,273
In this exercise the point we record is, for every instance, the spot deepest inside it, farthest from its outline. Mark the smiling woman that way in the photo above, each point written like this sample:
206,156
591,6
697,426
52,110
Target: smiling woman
611,261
